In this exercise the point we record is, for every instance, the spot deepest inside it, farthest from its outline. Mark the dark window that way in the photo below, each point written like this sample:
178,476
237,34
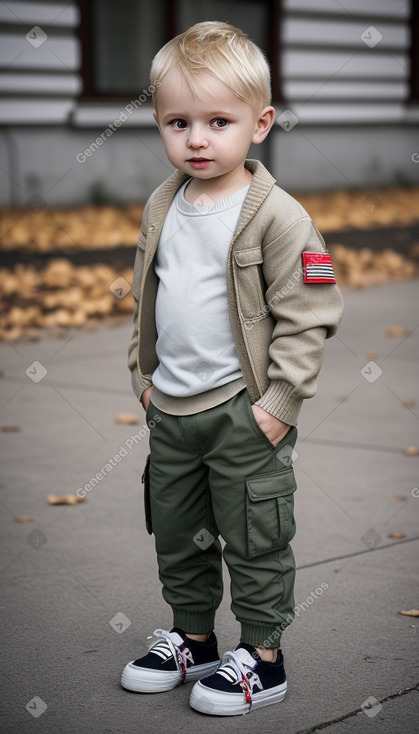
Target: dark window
119,39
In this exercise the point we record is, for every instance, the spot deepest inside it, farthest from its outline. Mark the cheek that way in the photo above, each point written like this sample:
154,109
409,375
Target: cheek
171,142
233,146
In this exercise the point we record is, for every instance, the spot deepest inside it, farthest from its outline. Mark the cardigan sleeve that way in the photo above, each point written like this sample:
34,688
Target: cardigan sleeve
304,314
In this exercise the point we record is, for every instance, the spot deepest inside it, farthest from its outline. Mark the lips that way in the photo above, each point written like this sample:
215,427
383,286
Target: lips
199,162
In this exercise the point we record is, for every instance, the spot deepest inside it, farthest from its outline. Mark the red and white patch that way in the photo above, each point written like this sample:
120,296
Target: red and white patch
318,268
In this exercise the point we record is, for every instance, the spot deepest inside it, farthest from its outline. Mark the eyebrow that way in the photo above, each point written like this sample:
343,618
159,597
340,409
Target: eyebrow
182,116
173,116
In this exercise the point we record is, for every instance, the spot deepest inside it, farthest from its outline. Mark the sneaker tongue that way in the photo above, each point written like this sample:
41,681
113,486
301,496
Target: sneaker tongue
247,654
176,638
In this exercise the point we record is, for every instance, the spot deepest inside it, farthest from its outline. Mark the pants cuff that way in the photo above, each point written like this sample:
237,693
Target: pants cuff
197,623
262,635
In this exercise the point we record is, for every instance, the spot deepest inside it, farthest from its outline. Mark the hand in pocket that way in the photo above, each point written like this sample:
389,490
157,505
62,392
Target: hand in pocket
274,429
146,397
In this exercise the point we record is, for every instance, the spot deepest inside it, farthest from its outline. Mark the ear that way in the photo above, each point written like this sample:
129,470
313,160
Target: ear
156,119
263,124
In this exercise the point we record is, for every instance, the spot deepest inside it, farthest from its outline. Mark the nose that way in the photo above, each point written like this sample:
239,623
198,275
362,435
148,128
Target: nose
197,138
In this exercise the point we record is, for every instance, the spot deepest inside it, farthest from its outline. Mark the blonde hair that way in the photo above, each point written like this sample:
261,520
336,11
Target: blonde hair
222,50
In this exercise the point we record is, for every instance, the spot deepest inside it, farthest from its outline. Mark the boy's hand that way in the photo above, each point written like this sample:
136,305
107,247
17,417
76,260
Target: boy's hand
272,427
146,397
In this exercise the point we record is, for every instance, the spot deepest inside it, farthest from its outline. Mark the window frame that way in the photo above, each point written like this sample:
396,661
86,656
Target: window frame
86,36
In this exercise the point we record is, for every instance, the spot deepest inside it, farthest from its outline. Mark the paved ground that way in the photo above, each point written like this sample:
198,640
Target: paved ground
80,590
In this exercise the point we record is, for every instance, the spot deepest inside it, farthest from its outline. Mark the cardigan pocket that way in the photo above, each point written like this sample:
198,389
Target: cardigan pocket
250,283
270,511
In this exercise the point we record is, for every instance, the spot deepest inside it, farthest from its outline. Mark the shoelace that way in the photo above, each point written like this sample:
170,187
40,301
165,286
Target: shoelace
181,657
232,661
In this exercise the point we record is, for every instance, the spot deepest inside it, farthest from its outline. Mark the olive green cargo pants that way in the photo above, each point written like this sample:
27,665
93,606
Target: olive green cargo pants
214,474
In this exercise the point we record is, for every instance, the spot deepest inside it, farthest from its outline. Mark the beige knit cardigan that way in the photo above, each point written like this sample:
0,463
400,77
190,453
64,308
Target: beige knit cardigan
279,322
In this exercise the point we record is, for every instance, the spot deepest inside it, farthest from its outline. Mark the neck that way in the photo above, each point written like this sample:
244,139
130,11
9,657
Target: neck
218,188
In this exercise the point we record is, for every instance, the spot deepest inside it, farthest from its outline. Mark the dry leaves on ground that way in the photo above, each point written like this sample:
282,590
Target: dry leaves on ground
87,227
115,226
410,612
23,518
340,210
62,295
395,331
411,451
68,499
128,419
65,296
366,267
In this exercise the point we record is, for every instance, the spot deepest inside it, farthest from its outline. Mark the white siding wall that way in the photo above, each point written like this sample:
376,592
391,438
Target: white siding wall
353,126
346,61
345,66
39,82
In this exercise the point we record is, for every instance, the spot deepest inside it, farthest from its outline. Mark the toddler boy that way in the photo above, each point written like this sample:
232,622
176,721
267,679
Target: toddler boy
235,295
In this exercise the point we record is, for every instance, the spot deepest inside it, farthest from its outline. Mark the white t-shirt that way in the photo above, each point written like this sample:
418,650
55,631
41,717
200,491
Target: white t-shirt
195,345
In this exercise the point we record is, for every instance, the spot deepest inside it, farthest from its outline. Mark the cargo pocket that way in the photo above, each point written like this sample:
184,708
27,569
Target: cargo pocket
270,511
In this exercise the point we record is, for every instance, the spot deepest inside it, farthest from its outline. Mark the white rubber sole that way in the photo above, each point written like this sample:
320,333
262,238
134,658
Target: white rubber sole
220,703
145,680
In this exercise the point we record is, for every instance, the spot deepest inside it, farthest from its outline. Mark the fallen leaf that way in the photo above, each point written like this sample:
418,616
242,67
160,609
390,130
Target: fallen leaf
396,534
398,332
400,498
411,451
372,354
23,518
68,499
410,612
409,402
129,419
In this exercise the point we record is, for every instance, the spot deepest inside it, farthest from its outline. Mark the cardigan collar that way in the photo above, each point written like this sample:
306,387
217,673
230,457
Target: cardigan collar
260,187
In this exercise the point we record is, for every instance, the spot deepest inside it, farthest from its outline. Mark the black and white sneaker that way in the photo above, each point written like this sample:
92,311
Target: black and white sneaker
172,660
243,682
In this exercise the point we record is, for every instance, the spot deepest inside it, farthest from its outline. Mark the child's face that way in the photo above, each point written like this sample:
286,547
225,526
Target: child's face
208,134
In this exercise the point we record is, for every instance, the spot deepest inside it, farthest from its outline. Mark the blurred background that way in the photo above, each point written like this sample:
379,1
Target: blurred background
81,153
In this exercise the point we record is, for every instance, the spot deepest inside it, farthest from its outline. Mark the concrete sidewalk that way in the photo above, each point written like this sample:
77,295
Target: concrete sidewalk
79,584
